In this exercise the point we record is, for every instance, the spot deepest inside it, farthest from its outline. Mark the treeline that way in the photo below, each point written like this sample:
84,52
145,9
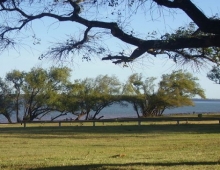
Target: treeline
34,94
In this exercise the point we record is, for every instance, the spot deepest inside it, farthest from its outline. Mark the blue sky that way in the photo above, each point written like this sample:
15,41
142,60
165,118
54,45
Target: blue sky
26,56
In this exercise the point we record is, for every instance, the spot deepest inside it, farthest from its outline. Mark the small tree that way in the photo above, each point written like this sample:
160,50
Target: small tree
139,93
69,101
106,92
95,94
15,78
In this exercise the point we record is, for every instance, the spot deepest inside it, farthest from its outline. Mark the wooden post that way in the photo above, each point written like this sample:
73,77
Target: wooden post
24,124
178,122
139,123
59,124
93,123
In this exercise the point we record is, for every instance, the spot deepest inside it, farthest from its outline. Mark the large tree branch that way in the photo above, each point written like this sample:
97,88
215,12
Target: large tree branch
150,46
205,24
153,47
118,32
183,42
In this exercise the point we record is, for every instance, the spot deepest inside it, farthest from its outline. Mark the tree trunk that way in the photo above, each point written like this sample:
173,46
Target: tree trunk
7,116
80,115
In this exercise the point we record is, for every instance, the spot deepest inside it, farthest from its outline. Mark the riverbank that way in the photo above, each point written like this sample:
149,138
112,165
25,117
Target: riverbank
195,114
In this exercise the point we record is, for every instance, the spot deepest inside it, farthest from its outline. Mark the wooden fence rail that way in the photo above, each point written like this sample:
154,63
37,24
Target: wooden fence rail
138,120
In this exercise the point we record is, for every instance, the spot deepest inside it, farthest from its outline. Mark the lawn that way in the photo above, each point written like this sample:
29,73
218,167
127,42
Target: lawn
108,147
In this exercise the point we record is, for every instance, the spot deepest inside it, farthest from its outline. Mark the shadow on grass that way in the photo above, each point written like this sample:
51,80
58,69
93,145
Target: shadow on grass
127,166
127,129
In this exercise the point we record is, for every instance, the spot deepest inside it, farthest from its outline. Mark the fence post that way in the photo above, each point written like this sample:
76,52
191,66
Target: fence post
139,123
178,122
24,124
59,124
93,123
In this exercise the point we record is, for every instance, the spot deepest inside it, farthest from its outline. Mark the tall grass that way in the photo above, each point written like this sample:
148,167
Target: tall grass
161,146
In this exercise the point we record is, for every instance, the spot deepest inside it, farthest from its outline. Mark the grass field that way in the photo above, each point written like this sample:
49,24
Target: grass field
110,147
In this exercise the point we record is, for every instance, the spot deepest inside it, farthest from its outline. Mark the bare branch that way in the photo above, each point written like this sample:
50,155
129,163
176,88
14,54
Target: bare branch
205,24
205,36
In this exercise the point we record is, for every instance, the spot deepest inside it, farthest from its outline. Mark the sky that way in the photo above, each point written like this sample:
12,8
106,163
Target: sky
26,56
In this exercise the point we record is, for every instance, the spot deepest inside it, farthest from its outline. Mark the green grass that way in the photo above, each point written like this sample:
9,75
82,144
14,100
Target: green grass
126,147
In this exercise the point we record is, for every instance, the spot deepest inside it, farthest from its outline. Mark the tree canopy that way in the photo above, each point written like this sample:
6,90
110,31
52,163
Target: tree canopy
98,20
36,93
6,100
174,90
177,89
50,93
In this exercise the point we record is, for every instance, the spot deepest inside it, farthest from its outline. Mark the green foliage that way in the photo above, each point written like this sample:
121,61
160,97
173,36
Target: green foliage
138,92
16,77
6,100
177,89
214,74
15,80
41,91
93,95
136,85
195,56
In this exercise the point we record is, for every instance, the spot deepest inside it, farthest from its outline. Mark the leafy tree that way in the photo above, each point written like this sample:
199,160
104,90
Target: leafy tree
16,78
106,92
139,93
94,95
6,101
192,43
69,101
85,97
214,74
42,89
177,89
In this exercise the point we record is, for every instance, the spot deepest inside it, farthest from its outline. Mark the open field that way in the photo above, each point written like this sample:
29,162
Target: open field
112,146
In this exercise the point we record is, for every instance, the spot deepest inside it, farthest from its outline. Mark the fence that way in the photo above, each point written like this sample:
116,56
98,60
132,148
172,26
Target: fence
138,120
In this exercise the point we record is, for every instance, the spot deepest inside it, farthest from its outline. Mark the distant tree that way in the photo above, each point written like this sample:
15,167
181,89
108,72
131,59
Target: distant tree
100,18
177,89
15,78
42,89
6,101
85,97
139,92
96,94
214,74
106,92
69,101
174,90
